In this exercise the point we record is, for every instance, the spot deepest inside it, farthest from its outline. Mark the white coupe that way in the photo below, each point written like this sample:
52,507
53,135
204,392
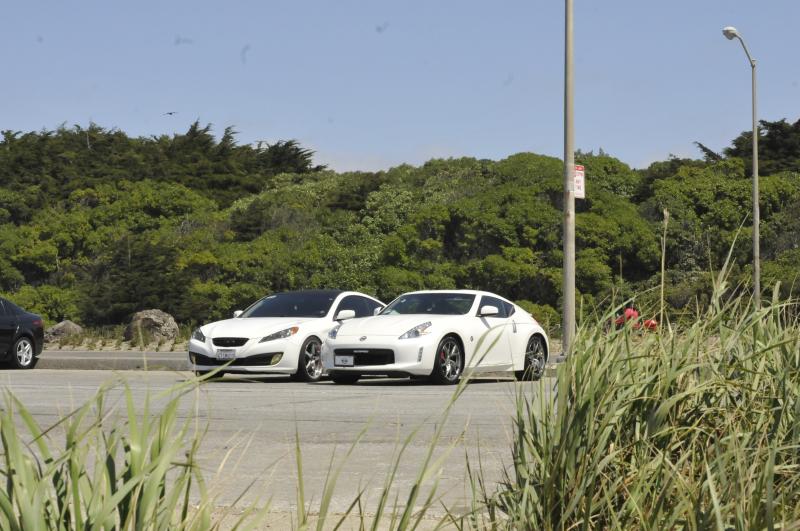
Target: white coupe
281,333
438,335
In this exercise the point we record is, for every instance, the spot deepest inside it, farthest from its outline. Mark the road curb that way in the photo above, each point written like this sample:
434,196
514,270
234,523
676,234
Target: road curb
116,361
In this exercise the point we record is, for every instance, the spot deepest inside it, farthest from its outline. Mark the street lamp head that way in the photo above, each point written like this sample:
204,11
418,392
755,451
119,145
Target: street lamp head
730,32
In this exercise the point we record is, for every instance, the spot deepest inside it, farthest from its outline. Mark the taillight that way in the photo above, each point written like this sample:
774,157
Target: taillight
37,322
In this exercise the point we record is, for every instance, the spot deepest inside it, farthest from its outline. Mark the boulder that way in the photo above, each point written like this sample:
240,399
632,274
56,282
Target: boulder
62,329
154,325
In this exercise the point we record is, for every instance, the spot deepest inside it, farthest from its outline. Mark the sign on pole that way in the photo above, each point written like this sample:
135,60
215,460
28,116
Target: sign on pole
580,185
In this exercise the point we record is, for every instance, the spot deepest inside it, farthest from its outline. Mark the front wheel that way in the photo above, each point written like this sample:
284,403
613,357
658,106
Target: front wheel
22,354
535,359
449,362
309,363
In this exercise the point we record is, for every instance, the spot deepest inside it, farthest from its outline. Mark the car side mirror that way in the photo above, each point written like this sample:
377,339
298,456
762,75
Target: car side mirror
488,311
345,314
237,313
377,310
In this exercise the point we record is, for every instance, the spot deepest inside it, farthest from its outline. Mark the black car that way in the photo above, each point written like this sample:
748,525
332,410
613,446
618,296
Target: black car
21,336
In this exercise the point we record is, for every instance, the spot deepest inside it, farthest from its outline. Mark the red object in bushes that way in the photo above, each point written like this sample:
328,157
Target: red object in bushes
631,314
650,324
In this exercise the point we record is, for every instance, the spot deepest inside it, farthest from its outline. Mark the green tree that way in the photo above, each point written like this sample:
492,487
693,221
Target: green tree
778,147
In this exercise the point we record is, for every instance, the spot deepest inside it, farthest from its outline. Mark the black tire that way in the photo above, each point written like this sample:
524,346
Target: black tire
309,362
345,378
535,360
449,362
23,354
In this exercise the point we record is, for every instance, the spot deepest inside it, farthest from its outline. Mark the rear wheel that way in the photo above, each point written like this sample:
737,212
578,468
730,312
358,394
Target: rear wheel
309,363
345,379
22,354
535,359
449,362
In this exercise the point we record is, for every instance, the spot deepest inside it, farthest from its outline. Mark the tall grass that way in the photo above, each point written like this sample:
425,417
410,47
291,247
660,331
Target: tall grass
696,428
134,472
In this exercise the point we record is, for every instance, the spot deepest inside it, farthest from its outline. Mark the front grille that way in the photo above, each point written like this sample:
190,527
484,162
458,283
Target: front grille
368,356
249,361
229,341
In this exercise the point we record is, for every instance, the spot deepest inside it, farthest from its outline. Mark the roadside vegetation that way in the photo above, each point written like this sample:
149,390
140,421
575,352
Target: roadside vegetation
694,427
95,225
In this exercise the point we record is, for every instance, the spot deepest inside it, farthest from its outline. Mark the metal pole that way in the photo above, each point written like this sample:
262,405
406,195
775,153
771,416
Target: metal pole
568,320
756,209
732,33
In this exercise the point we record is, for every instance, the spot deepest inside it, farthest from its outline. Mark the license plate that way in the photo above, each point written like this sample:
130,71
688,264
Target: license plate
226,354
343,361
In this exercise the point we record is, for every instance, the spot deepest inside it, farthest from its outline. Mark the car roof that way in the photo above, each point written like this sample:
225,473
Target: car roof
327,292
333,292
462,291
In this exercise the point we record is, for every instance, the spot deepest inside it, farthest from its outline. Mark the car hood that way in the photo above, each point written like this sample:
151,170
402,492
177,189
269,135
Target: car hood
390,325
251,327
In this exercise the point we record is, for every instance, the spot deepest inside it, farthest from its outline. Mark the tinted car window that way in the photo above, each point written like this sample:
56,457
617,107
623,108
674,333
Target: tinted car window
431,303
355,303
371,305
2,307
303,304
497,303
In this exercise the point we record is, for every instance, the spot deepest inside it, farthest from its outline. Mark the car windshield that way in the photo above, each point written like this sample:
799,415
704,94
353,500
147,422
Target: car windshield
303,304
431,303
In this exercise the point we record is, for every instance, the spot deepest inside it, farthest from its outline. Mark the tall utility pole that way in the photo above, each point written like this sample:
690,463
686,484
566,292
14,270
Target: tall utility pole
568,320
732,33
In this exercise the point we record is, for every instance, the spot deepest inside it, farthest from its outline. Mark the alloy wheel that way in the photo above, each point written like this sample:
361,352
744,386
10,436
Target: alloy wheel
534,358
312,357
450,359
24,352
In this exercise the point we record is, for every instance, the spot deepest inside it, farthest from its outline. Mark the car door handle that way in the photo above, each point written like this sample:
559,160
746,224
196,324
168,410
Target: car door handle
514,326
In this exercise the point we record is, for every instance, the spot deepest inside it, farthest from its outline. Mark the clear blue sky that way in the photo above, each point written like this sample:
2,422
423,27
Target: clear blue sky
369,84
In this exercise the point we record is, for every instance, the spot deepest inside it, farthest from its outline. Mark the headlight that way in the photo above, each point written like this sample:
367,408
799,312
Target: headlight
334,331
198,335
283,334
419,330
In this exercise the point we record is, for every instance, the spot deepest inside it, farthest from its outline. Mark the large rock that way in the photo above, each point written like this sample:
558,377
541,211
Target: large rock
154,325
63,329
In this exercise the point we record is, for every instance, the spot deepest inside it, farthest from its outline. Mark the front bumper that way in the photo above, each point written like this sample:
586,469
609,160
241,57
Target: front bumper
278,356
380,355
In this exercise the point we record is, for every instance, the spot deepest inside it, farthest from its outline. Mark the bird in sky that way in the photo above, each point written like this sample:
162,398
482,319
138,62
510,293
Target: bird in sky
170,113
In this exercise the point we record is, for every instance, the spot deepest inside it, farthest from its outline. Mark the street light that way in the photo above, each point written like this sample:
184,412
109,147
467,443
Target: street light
732,33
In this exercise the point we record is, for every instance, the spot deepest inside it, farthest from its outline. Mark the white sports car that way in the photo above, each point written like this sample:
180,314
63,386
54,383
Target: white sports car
281,333
438,334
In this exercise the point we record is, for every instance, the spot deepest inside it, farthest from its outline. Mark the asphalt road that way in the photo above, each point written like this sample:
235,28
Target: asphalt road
255,421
